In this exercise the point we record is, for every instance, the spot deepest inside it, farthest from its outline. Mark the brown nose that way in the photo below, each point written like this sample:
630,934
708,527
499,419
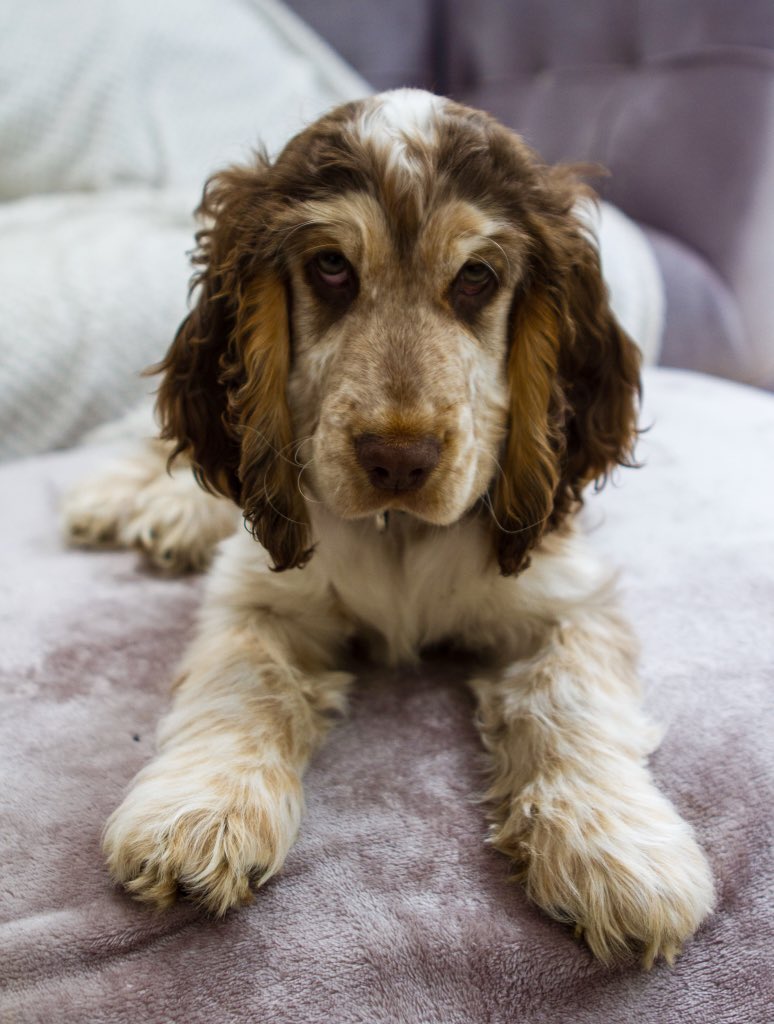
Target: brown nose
397,464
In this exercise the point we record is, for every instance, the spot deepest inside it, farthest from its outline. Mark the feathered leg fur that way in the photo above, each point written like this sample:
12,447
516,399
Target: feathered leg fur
219,807
575,806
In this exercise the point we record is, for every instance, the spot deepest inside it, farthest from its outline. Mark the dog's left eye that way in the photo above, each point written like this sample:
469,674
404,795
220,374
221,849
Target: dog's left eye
474,278
471,289
333,268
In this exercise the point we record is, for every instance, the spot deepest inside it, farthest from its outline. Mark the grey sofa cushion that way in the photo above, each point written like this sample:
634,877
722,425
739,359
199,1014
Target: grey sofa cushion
703,327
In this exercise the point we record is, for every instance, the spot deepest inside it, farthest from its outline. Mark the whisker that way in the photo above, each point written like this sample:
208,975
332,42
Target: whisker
299,443
279,452
485,451
487,499
489,265
289,232
274,508
304,495
486,240
505,254
314,248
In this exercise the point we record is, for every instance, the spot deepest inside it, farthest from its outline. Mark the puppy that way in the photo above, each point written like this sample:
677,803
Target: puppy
402,367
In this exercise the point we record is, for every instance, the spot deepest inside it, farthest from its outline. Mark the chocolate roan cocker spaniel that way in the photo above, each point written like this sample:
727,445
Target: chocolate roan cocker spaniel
402,367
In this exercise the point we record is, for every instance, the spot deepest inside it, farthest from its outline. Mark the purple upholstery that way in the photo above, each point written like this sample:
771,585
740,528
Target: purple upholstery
676,99
393,44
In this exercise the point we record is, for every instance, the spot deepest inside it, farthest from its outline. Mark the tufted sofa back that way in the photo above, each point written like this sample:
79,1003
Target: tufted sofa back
674,97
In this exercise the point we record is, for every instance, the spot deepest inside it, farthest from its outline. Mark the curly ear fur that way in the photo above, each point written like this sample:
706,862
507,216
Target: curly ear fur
222,396
573,377
270,496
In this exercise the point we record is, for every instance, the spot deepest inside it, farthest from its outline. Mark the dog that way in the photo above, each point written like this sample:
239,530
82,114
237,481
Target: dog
402,367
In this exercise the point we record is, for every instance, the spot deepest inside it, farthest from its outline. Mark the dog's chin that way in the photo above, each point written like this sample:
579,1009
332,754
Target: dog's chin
377,504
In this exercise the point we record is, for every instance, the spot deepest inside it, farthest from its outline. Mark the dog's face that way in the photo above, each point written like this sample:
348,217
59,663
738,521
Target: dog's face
401,291
398,377
402,312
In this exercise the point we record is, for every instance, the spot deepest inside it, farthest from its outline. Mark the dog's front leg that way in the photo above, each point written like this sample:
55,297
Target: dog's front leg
575,806
218,809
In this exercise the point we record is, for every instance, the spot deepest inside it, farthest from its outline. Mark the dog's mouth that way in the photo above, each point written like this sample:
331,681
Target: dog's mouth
434,504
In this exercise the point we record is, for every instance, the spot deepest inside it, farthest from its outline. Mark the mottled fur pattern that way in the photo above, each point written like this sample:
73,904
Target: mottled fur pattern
406,269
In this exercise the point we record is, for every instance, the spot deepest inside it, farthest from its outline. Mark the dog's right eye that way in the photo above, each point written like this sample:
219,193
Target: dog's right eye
333,279
333,268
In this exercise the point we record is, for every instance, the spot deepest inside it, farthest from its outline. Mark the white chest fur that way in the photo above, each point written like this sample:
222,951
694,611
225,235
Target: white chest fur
415,585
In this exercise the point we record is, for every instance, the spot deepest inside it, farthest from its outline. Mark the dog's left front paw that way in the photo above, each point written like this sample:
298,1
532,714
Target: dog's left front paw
623,867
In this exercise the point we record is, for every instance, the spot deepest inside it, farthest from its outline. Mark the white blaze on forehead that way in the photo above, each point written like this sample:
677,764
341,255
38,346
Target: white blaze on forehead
392,119
405,112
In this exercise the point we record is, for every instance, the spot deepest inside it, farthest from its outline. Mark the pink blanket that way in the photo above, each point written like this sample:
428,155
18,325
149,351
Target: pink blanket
391,909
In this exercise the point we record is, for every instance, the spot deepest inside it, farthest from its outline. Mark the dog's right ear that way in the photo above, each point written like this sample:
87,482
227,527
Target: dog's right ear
222,396
198,370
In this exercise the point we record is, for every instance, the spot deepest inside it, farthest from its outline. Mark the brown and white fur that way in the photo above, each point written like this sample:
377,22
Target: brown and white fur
403,368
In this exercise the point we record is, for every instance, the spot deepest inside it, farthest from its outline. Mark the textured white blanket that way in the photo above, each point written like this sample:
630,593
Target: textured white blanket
97,95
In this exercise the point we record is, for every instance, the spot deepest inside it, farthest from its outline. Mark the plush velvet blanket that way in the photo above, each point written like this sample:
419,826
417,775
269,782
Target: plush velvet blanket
391,908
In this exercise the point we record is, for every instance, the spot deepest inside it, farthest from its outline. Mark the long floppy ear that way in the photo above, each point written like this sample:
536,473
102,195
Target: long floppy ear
222,398
573,378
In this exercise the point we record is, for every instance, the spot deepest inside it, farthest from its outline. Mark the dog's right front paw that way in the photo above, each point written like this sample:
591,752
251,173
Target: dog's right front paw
177,525
212,840
138,504
95,512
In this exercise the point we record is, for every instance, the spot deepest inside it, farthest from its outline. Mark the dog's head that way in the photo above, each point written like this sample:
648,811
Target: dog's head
401,312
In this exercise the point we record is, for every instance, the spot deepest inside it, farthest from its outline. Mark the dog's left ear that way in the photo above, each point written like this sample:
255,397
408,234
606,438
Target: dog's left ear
573,378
